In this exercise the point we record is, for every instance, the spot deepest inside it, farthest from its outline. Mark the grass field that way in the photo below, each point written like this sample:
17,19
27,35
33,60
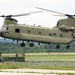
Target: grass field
50,57
60,61
46,56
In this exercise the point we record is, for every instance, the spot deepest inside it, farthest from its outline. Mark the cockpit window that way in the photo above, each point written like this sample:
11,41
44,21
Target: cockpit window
7,28
4,27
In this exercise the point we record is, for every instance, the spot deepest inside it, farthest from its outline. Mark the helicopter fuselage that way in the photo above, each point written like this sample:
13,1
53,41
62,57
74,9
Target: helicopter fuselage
37,34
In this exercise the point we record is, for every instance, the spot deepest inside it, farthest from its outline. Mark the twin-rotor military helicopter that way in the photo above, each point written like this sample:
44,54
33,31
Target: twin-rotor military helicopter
62,33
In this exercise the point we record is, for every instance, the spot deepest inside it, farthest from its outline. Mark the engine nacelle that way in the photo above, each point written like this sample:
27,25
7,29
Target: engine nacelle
66,28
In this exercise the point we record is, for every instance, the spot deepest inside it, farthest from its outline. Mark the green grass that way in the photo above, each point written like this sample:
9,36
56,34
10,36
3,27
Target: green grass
51,57
41,57
46,56
65,74
21,66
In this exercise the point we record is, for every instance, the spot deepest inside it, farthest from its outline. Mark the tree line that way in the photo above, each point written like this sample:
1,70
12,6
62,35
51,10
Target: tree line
15,47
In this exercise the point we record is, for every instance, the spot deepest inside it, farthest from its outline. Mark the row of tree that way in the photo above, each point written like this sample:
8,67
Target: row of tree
15,47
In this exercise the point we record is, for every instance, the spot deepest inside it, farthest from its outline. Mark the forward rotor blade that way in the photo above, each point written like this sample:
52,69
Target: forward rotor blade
25,14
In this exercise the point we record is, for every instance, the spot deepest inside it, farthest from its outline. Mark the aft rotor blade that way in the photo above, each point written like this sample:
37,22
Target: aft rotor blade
59,15
50,10
62,14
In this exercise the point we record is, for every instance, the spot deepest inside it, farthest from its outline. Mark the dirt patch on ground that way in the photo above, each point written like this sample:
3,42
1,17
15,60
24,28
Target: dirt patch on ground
35,71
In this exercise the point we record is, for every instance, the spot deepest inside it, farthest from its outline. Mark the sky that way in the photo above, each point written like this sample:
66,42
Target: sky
45,19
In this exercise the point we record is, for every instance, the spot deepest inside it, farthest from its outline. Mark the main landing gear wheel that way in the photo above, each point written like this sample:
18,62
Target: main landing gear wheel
68,46
31,44
57,46
22,44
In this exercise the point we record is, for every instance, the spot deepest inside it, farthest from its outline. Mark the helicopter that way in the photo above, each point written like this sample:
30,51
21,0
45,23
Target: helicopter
62,33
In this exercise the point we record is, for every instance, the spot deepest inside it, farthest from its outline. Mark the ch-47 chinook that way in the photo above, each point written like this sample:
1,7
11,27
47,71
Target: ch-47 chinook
62,33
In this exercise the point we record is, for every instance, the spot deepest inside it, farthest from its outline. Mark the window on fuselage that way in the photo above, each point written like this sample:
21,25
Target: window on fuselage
7,28
39,32
54,34
17,30
50,34
29,31
61,35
